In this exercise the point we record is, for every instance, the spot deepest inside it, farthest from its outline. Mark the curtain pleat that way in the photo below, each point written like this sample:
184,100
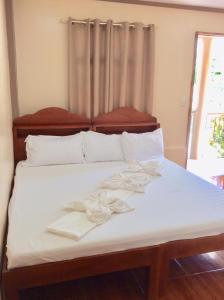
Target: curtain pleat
79,68
124,62
105,98
96,68
110,102
149,68
109,67
137,54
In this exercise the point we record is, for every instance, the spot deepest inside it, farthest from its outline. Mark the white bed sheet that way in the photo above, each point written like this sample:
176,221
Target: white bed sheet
176,206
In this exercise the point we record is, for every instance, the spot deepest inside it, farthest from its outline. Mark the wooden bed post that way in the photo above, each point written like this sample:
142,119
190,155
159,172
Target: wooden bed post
163,270
11,294
152,286
11,291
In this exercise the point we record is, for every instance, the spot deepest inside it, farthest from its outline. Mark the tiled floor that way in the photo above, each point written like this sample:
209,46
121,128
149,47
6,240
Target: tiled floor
199,277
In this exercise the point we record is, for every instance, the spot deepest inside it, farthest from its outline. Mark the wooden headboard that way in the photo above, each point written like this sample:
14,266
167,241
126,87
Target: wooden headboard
48,121
58,121
124,119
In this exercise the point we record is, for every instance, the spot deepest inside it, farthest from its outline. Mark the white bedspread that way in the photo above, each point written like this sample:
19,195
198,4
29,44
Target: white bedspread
177,205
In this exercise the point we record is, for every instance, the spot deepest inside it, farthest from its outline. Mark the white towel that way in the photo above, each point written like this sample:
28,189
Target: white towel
98,213
101,204
152,168
129,181
87,214
73,225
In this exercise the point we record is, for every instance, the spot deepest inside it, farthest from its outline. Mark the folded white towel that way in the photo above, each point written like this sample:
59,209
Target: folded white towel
73,225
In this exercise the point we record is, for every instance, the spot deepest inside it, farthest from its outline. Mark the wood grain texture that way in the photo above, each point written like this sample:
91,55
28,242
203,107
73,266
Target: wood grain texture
51,116
50,273
48,121
124,115
124,119
184,248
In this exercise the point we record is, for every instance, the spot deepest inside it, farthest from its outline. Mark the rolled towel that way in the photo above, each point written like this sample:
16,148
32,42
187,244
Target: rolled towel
101,204
153,167
98,213
77,206
104,194
134,167
118,206
135,182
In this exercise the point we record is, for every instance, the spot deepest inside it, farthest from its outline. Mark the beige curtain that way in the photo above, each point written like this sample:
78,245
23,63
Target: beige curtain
110,66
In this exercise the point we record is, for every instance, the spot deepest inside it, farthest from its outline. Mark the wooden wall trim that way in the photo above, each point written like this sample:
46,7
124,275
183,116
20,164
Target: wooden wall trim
197,34
191,97
207,41
171,5
210,34
12,56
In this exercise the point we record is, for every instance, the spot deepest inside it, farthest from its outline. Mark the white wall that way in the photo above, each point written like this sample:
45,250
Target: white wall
6,156
41,46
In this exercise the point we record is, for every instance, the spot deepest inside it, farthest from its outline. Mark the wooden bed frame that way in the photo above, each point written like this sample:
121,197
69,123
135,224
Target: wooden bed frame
56,121
59,122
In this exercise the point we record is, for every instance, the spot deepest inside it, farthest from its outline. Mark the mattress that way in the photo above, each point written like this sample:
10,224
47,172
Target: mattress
177,205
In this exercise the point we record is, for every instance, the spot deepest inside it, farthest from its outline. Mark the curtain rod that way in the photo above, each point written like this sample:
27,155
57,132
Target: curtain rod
104,23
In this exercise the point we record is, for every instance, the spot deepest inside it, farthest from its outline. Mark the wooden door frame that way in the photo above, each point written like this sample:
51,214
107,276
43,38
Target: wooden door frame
197,34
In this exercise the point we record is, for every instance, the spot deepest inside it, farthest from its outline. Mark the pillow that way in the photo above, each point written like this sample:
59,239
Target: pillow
101,147
53,150
142,146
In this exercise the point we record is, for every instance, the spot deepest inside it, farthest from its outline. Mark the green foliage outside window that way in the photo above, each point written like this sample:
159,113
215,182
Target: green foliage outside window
217,139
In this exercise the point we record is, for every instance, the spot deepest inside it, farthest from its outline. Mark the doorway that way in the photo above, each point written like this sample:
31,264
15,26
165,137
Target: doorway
206,133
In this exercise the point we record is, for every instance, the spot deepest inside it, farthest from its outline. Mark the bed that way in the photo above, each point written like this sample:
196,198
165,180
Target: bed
56,121
183,218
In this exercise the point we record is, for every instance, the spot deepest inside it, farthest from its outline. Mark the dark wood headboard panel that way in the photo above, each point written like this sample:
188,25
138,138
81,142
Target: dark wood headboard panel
58,121
124,119
48,121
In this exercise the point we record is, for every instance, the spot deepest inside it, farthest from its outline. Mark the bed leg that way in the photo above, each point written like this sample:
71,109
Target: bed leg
163,275
152,292
10,290
11,294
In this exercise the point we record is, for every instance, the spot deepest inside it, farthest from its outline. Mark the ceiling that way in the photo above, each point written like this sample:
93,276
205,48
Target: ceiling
205,3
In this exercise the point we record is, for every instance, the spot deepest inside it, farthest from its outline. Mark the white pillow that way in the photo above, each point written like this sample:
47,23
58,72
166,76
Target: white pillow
142,146
102,147
53,150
